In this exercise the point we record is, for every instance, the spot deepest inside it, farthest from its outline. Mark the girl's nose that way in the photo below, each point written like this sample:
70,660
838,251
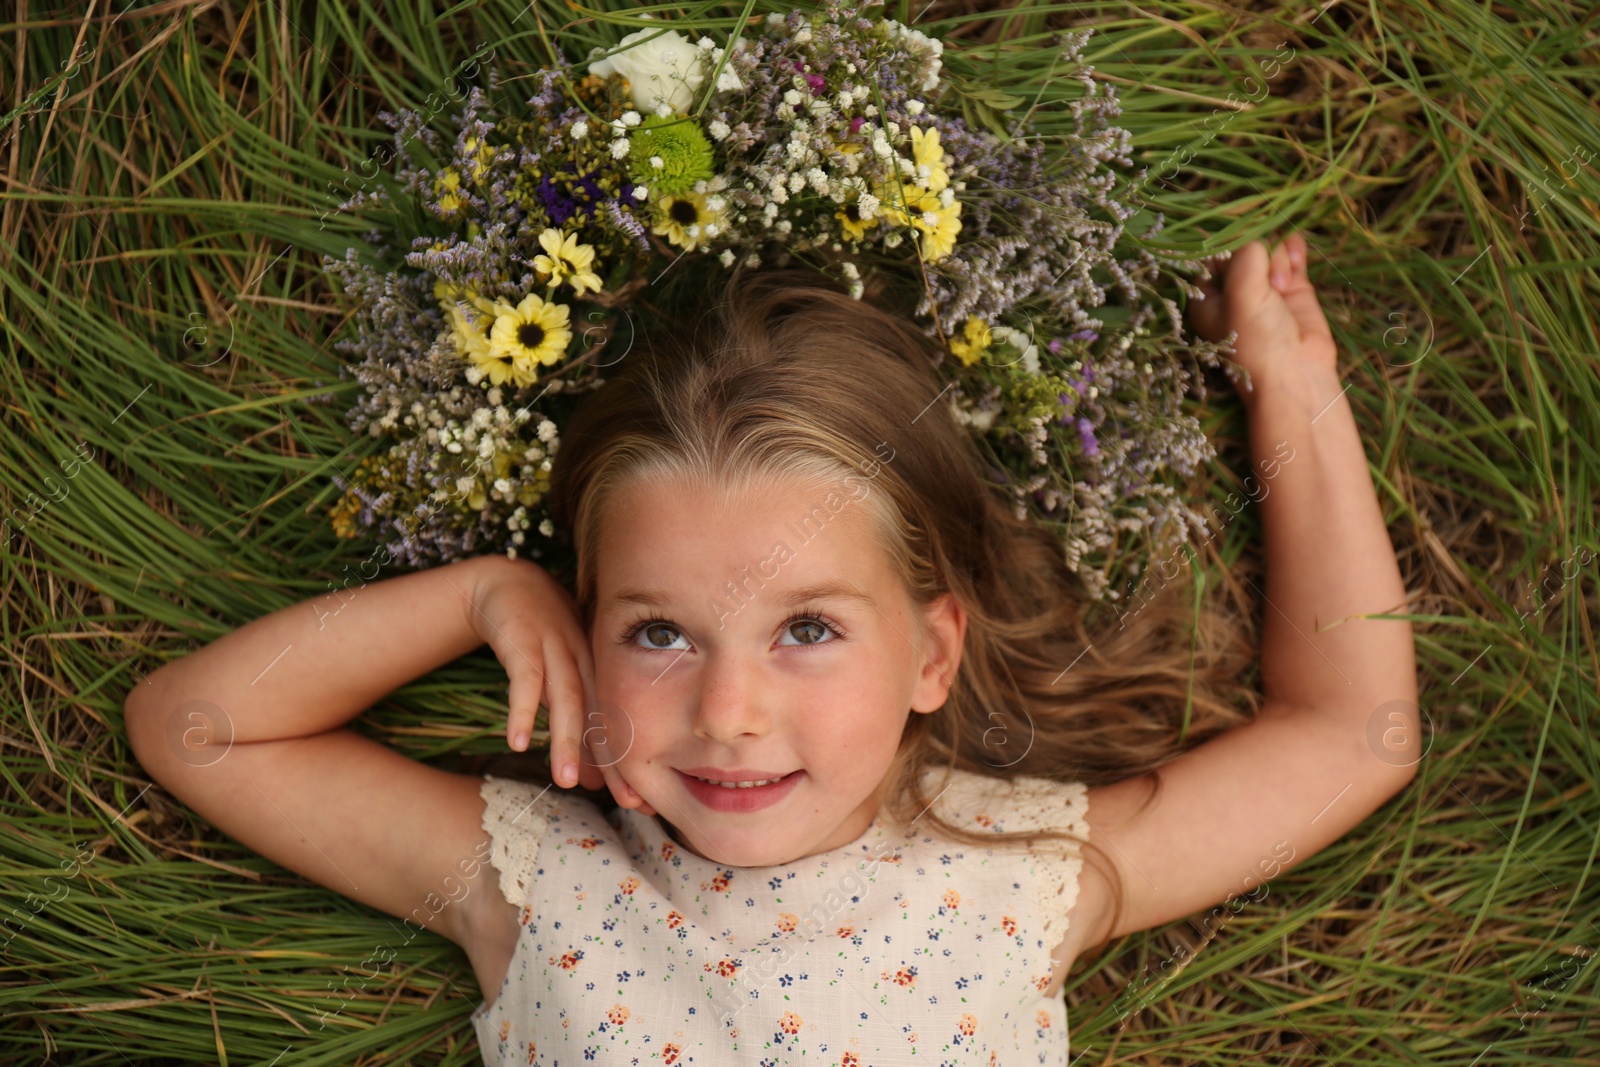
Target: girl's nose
732,702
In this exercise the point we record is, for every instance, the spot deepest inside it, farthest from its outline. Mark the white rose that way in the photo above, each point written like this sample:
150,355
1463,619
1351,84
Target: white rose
666,69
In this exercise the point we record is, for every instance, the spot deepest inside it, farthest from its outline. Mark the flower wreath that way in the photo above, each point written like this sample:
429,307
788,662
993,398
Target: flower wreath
830,137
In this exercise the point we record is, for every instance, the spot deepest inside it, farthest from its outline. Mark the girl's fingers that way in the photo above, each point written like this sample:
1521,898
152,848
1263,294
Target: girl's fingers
1301,297
564,698
526,676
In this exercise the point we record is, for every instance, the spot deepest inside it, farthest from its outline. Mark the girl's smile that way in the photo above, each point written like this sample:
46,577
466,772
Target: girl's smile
757,635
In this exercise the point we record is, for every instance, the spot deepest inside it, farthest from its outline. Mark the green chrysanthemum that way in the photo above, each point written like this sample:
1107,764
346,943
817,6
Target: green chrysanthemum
668,155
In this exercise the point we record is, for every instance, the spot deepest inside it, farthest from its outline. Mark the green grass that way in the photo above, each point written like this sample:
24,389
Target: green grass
161,222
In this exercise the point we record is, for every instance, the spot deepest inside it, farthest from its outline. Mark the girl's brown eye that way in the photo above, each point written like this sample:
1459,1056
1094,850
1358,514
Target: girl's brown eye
653,632
814,631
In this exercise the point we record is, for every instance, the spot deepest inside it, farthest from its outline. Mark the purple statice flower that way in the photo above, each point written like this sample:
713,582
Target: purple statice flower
557,204
1091,447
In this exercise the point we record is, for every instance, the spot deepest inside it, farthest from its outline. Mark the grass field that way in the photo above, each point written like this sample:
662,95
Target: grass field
164,204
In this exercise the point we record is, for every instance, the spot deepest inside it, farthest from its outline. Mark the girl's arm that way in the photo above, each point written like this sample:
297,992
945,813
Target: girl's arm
1338,731
249,731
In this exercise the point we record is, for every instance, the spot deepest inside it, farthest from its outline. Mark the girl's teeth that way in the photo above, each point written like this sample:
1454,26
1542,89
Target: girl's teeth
740,785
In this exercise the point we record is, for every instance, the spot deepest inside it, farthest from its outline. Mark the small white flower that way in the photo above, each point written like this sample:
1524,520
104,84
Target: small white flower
716,203
664,109
752,260
640,192
718,129
502,486
797,182
706,43
726,257
619,148
547,528
547,430
657,162
845,100
947,196
851,270
914,107
580,130
792,97
630,118
867,206
802,35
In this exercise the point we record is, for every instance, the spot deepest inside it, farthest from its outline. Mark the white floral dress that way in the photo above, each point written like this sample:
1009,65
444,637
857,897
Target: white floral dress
899,948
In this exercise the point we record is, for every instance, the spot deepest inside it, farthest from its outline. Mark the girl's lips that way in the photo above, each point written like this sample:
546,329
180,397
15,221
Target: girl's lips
740,801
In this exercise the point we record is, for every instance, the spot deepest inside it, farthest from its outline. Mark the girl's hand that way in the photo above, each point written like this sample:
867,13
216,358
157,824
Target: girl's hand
1283,338
531,623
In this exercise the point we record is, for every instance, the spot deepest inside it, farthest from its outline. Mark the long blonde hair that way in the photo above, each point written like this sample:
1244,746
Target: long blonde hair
783,374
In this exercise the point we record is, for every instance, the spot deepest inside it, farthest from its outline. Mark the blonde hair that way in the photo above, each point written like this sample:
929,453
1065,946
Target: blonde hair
785,376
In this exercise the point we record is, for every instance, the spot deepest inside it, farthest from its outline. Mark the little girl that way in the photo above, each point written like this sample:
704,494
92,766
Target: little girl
857,739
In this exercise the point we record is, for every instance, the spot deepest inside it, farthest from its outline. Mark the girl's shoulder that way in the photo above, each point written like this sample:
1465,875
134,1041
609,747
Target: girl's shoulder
1012,804
984,803
519,815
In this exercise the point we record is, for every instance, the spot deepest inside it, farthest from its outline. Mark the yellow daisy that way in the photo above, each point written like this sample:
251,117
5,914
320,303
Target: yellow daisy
939,234
850,221
974,341
925,149
687,221
567,260
937,223
532,333
471,318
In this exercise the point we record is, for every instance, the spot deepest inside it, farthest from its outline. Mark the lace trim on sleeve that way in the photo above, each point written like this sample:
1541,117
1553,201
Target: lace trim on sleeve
515,816
1040,803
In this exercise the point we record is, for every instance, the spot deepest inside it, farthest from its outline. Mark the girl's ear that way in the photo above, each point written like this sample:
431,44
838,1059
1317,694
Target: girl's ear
944,632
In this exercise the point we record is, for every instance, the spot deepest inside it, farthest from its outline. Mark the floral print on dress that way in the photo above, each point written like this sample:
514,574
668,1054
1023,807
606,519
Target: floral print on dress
898,947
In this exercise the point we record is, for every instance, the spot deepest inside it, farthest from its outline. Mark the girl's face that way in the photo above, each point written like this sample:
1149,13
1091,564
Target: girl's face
769,636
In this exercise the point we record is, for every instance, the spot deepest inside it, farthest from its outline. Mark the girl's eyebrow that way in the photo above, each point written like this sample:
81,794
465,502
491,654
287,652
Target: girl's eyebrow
833,589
